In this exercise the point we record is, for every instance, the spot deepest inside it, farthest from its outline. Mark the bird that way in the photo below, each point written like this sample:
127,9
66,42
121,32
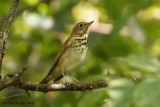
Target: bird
72,53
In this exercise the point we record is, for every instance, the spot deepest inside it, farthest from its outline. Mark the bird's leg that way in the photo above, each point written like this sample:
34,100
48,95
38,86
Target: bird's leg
74,79
64,76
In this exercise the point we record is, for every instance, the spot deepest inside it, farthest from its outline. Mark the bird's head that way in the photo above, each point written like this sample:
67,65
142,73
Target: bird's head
81,28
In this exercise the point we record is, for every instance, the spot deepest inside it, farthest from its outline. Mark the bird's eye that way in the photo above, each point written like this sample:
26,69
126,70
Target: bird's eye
80,25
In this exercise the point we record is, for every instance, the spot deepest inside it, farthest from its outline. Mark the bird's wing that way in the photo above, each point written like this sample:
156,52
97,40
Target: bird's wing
58,57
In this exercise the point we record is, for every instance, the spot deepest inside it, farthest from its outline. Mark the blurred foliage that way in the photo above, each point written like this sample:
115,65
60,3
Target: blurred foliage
124,46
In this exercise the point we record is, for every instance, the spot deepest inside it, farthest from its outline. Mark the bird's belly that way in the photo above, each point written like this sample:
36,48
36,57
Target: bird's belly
74,58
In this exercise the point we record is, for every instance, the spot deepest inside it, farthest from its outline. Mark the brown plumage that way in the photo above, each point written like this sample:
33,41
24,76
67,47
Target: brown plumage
72,53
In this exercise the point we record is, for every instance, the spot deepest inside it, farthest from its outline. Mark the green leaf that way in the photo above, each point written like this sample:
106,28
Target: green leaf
93,99
120,93
147,94
143,63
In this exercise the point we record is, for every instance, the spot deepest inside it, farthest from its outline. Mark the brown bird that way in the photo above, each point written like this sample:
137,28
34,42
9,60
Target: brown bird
72,53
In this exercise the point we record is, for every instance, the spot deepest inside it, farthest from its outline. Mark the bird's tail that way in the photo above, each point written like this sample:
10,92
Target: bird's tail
50,77
47,78
44,81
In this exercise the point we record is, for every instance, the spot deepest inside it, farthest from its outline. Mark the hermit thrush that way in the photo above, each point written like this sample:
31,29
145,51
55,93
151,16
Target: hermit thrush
72,53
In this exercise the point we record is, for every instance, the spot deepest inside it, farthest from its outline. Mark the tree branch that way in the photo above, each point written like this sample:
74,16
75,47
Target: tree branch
62,87
15,81
5,29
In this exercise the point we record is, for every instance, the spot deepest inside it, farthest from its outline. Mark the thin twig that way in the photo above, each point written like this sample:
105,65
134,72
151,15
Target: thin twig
11,79
5,29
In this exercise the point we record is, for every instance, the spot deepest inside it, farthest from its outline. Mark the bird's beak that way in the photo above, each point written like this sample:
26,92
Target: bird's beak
90,23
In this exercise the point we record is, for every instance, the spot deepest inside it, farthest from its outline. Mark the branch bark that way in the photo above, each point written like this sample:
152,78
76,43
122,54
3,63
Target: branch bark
15,81
62,87
5,30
